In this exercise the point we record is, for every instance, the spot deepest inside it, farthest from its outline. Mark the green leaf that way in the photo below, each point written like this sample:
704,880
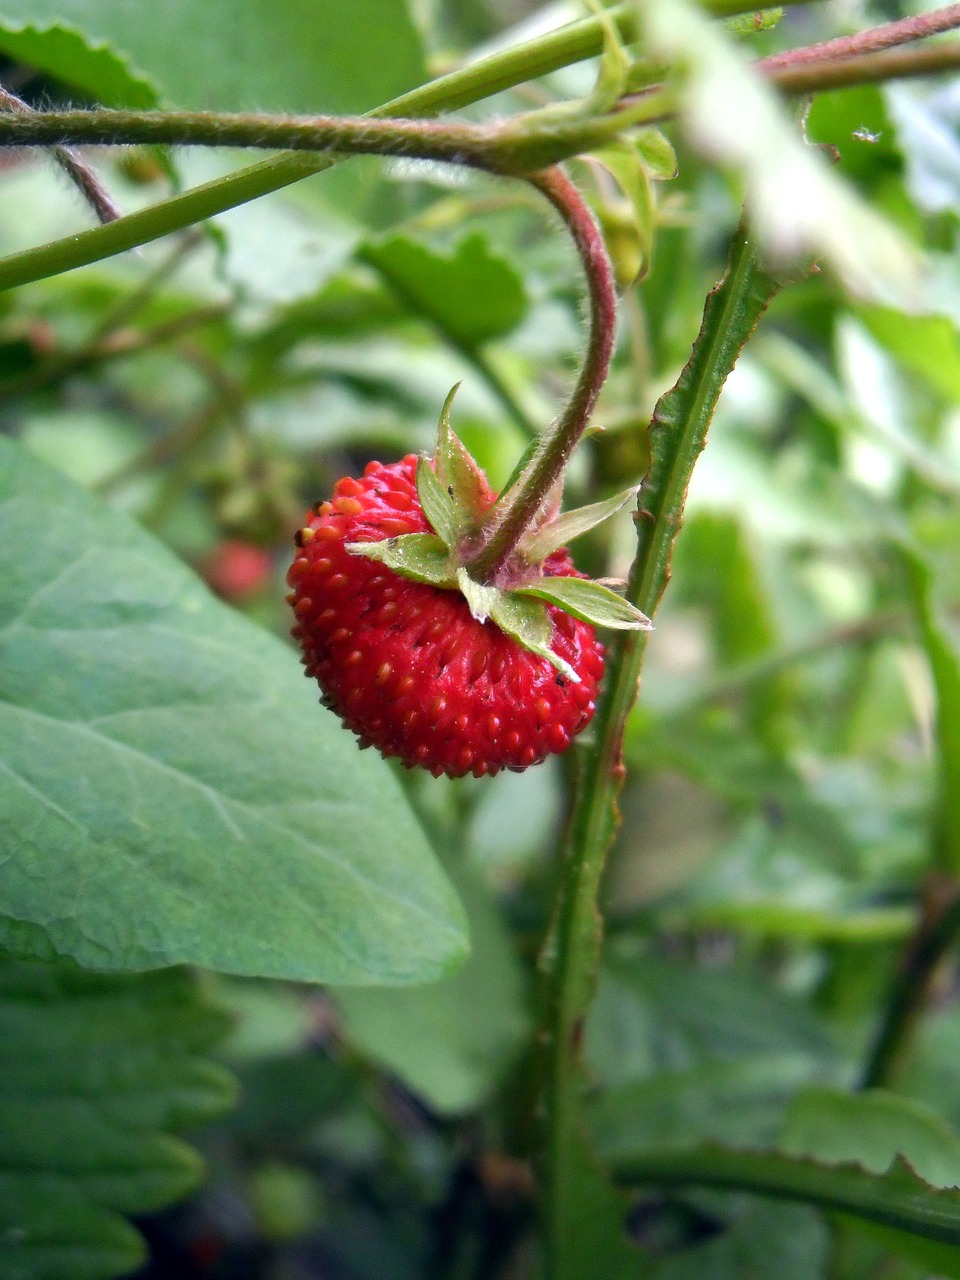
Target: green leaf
897,1198
763,1241
796,205
589,601
346,57
739,1101
529,623
875,1128
656,151
572,524
872,1128
95,1071
628,225
651,1013
451,1057
70,56
927,345
170,792
471,294
437,504
420,556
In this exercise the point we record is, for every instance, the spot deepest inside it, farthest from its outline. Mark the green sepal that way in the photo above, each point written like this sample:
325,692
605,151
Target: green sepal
528,622
458,472
551,537
481,599
423,557
437,504
590,602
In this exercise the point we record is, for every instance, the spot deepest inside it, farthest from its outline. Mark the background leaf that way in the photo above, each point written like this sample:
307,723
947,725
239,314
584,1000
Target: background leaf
346,57
453,1061
170,791
471,294
95,1071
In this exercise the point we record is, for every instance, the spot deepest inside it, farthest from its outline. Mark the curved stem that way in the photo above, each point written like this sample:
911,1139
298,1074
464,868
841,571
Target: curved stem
525,497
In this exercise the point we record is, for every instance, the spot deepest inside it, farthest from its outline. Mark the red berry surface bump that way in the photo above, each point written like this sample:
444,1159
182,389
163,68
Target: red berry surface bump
406,666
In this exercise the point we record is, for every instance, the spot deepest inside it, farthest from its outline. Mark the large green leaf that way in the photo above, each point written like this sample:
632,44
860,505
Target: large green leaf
344,56
94,1073
169,790
449,1041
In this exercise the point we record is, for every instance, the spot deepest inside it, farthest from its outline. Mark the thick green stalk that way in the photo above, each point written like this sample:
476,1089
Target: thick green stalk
572,951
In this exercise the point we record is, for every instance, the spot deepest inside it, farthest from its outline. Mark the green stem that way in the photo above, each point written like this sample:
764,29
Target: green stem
503,70
520,145
571,953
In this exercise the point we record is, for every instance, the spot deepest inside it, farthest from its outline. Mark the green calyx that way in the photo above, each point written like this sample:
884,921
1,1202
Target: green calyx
457,502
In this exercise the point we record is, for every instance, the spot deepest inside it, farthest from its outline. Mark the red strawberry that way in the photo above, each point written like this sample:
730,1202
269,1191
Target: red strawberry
407,666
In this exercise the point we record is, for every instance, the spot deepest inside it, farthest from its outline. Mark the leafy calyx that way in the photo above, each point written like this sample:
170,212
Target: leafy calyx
456,500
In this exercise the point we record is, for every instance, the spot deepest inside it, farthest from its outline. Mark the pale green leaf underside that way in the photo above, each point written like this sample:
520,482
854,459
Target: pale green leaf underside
422,557
170,792
343,56
95,1071
589,601
529,624
437,503
572,524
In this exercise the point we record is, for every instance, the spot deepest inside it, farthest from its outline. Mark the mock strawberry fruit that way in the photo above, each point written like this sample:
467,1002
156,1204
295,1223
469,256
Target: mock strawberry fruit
405,662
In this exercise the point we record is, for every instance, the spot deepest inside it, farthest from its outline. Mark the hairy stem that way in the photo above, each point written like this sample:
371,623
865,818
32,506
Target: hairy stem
571,952
512,514
871,68
74,166
516,146
872,41
479,80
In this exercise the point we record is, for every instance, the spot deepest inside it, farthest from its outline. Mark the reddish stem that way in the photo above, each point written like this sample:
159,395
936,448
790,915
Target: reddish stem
872,41
523,501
